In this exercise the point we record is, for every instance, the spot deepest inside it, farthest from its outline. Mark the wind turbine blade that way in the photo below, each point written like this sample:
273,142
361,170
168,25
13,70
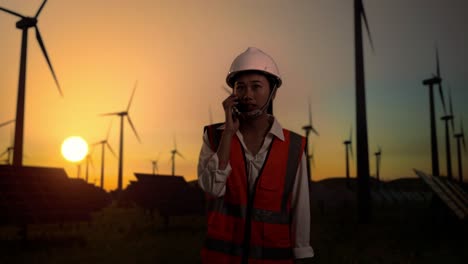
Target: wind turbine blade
441,92
351,134
133,128
440,84
7,122
351,149
40,9
110,148
107,114
44,51
12,12
451,109
133,93
363,13
315,131
437,61
180,155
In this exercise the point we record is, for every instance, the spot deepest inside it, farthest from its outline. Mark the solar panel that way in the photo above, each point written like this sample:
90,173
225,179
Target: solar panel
396,196
451,194
170,195
443,191
386,196
30,195
459,192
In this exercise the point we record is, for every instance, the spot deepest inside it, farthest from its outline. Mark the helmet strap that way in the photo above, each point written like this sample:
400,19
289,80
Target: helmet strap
255,113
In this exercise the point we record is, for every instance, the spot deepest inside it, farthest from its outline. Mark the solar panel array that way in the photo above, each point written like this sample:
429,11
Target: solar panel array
37,195
449,192
169,195
335,192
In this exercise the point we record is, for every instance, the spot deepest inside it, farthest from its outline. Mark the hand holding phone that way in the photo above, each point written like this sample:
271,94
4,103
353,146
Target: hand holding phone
231,112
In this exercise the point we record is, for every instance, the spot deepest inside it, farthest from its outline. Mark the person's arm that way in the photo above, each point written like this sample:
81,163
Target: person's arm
211,178
302,250
214,168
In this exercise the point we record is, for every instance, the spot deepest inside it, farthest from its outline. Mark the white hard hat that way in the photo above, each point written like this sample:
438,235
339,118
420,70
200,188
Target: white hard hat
254,59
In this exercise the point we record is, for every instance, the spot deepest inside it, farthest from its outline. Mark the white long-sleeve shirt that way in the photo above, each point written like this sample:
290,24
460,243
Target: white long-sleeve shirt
213,180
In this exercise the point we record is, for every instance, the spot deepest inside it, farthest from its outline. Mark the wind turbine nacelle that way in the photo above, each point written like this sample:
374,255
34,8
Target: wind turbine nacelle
26,22
432,81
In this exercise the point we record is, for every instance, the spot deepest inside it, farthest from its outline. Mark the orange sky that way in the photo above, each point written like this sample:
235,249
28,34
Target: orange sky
180,51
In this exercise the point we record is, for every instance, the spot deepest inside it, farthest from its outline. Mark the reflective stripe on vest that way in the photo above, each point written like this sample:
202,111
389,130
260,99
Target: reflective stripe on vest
260,215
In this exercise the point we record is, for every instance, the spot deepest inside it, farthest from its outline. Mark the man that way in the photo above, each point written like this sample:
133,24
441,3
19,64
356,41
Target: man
254,174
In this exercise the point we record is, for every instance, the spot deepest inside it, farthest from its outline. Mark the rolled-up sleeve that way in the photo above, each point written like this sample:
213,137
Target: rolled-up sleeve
301,213
210,178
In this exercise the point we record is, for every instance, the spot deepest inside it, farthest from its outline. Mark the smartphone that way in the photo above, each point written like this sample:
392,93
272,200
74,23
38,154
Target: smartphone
235,111
238,109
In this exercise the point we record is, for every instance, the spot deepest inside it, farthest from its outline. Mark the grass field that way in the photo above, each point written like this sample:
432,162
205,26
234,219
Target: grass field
128,235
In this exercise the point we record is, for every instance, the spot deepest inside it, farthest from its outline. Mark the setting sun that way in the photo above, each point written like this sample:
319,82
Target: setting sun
74,148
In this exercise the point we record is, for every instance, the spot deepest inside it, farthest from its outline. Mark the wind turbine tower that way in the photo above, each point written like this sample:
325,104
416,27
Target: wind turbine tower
122,115
431,82
363,190
460,137
9,149
348,149
173,153
378,155
308,128
448,152
155,164
24,24
103,144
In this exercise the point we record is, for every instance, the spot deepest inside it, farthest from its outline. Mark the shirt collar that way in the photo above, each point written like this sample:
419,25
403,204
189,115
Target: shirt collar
276,129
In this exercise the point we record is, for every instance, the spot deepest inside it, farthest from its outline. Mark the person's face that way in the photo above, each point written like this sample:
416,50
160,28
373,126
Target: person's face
252,89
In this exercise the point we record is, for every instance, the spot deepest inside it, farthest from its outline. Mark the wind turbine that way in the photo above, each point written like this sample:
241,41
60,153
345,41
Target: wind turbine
89,160
307,128
103,144
8,153
173,153
378,155
363,190
448,152
24,24
155,164
435,80
460,137
348,148
312,157
9,149
122,115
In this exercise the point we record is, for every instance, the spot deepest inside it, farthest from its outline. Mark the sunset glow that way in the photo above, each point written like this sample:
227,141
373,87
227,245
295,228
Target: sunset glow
180,53
74,149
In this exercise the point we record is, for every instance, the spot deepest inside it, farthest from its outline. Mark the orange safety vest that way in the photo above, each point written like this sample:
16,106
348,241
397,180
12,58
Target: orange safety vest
254,227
